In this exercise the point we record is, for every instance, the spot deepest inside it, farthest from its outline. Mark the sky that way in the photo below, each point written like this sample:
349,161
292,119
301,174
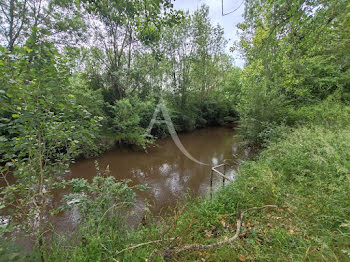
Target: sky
228,22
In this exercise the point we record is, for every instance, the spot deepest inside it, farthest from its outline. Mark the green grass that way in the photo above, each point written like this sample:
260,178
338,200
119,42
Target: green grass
305,171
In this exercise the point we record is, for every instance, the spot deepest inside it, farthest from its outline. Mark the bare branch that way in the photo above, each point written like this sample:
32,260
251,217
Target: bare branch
144,244
4,12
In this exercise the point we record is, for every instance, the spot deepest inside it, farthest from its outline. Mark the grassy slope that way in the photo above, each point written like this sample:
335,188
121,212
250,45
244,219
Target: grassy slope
306,172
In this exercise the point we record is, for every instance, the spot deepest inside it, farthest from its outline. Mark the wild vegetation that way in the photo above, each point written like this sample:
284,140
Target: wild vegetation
78,77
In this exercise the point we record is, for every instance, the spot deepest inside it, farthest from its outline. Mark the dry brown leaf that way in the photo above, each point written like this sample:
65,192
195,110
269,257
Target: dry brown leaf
223,223
241,257
208,233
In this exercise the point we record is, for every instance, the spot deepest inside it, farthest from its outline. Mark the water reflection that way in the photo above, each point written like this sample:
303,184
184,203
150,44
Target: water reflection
164,168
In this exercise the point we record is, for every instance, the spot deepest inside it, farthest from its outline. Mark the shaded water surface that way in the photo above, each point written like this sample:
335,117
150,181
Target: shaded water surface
168,172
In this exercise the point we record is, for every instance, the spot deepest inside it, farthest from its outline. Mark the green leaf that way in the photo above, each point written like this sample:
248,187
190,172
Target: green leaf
3,139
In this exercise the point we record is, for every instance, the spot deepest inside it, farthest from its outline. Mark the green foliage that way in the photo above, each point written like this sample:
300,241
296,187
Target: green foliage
262,108
43,127
10,252
295,57
305,172
22,19
137,15
103,198
329,113
103,206
60,101
129,117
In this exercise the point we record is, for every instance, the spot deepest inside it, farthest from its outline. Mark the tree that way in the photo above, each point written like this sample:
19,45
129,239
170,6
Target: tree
293,57
43,127
124,28
60,21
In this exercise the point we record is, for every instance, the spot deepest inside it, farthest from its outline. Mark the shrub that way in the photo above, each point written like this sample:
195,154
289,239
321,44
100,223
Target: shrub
103,206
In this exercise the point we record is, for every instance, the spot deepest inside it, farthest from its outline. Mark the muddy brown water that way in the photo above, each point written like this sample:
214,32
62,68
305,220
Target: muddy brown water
164,168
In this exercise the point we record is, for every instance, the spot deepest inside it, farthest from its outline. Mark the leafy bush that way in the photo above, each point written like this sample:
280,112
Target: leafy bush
128,119
103,206
330,113
262,109
103,198
43,127
266,111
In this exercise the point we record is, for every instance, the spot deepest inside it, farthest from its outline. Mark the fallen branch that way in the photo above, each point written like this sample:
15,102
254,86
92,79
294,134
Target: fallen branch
172,251
144,244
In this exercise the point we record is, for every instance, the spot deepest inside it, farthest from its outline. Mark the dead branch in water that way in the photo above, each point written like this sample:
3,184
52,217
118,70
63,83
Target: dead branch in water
173,251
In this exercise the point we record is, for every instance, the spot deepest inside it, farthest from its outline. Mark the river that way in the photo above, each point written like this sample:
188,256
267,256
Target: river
164,168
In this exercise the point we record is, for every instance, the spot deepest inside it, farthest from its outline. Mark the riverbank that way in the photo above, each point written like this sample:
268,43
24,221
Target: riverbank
304,172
